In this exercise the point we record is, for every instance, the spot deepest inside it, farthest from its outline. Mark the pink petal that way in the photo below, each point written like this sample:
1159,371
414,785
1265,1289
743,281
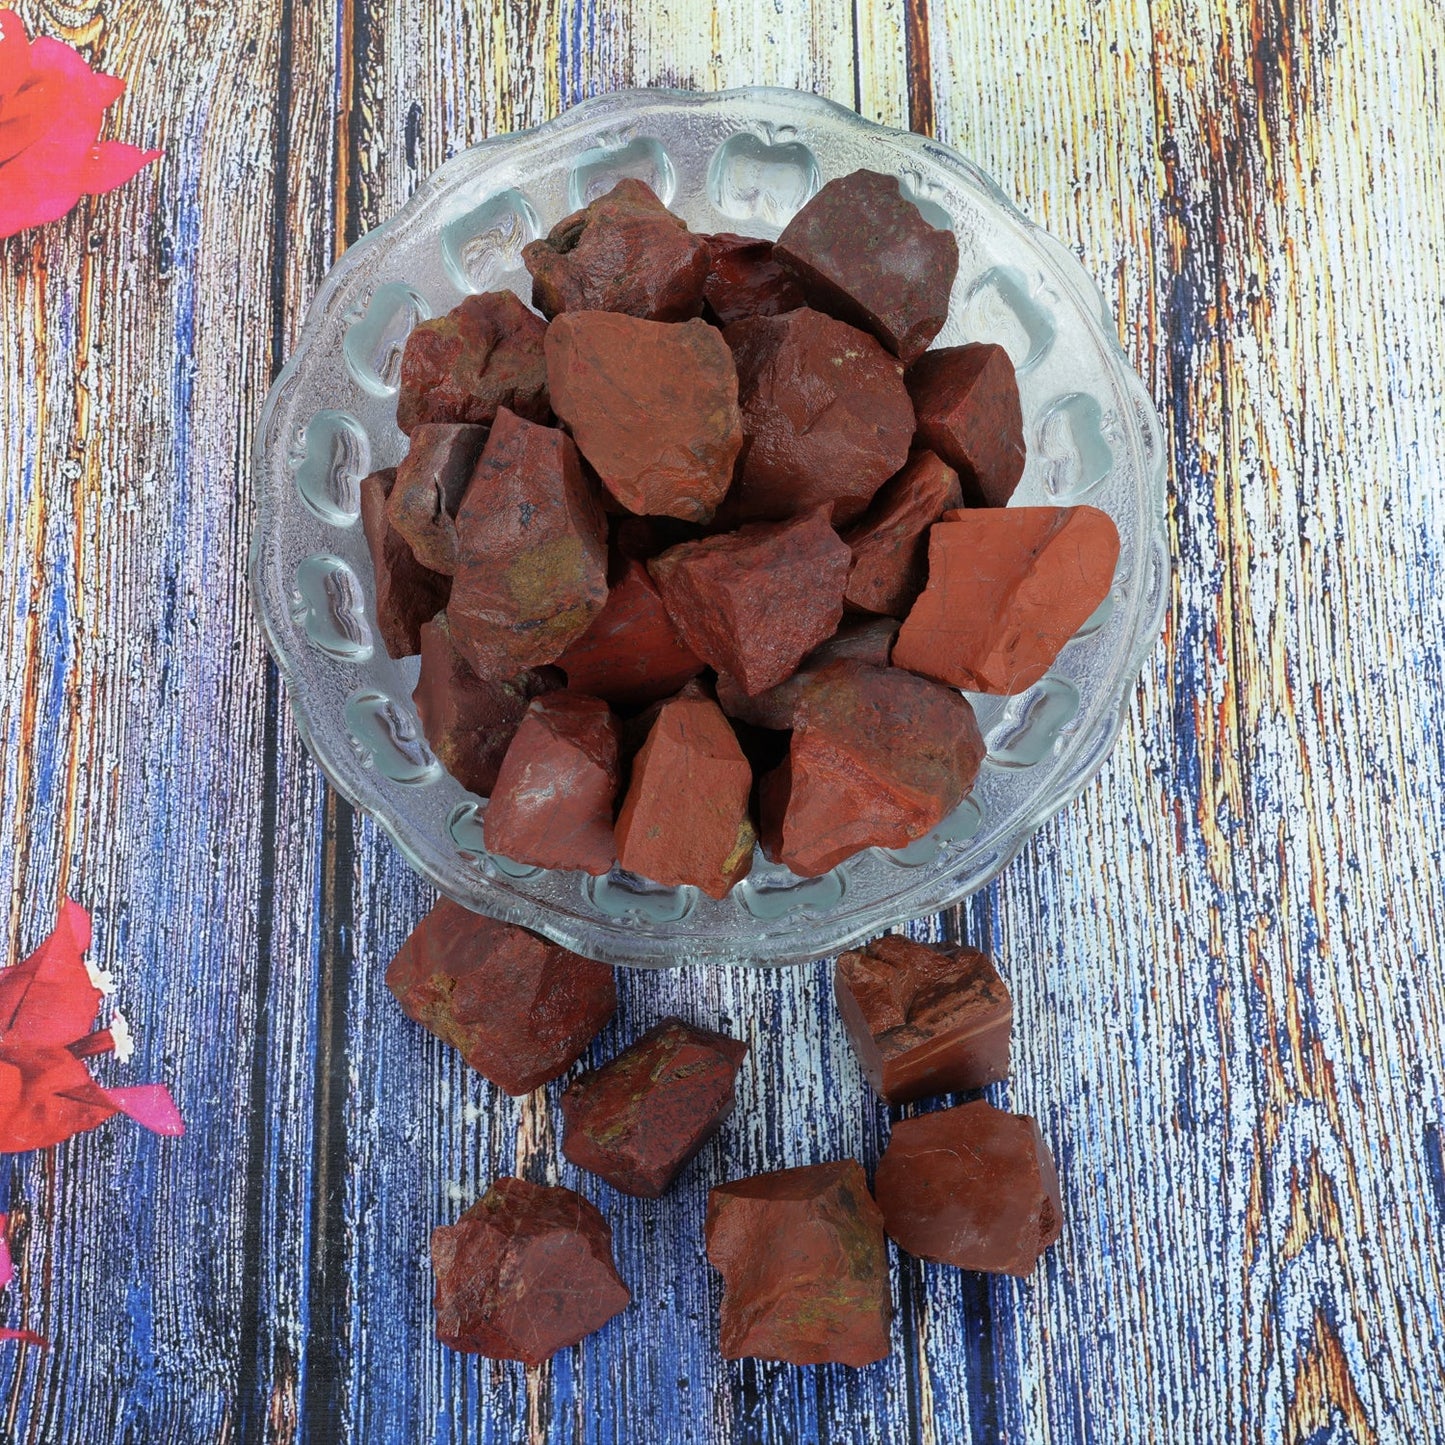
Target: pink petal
14,53
87,88
151,1106
7,1265
49,998
28,1337
111,164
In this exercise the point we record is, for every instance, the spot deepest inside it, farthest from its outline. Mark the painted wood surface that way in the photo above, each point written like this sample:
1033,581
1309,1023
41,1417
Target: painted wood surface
1225,957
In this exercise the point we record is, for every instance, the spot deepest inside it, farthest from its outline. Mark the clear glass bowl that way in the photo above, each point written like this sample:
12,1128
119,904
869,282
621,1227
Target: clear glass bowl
742,160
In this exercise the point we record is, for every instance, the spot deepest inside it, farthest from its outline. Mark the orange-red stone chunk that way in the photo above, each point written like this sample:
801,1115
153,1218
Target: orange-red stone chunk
430,484
408,595
745,279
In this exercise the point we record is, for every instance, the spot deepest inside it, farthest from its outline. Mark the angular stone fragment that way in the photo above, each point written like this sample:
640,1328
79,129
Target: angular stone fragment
862,251
532,554
745,279
875,763
408,595
631,655
967,401
639,1118
754,602
484,354
625,252
972,1186
826,417
430,484
518,1007
554,797
1007,588
525,1272
652,406
468,721
924,1019
804,1266
890,541
685,818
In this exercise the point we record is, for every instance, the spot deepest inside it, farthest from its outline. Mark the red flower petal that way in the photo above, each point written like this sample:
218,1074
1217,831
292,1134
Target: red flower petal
28,1337
110,164
49,998
14,53
45,1097
151,1106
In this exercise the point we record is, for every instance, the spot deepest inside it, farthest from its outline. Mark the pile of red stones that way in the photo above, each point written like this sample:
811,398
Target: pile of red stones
702,558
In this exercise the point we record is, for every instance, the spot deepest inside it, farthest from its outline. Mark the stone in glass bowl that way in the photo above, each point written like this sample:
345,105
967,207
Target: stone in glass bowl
746,161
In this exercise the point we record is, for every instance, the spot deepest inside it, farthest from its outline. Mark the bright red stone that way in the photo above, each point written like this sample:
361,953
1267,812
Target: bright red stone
430,484
408,595
745,279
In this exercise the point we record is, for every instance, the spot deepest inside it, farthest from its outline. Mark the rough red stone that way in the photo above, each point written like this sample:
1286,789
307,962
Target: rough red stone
639,1118
875,763
631,655
804,1266
826,416
685,818
862,251
625,252
554,797
924,1019
430,484
532,557
744,279
754,602
653,406
890,541
408,595
484,354
1007,588
518,1007
525,1272
972,1186
468,721
967,402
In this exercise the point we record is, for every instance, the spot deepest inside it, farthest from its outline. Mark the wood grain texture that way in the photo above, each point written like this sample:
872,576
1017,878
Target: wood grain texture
1224,956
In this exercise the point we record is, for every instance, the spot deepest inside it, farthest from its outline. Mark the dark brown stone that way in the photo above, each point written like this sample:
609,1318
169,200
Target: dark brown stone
408,595
744,279
430,484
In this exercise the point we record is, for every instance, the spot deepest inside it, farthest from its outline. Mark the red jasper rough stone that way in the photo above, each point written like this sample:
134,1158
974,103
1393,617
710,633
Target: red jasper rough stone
518,1007
745,279
967,401
875,763
525,1272
468,721
862,251
430,484
754,602
1007,588
631,655
890,541
624,252
639,1118
484,354
532,563
685,818
924,1019
804,1266
554,797
408,595
653,407
826,417
972,1186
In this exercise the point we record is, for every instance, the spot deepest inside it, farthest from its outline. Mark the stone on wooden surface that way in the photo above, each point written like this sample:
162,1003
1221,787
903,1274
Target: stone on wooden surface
971,1186
408,595
517,1006
430,484
745,279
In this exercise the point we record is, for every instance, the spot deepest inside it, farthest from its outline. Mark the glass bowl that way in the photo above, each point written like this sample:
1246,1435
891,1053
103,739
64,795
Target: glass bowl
741,160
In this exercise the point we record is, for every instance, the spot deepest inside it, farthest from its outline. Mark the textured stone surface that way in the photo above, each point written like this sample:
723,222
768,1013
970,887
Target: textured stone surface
924,1018
826,417
972,1186
1007,588
526,1271
637,1120
554,797
532,565
652,406
685,818
745,279
430,484
518,1007
967,403
876,761
754,602
890,541
804,1266
862,251
408,595
624,252
484,354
